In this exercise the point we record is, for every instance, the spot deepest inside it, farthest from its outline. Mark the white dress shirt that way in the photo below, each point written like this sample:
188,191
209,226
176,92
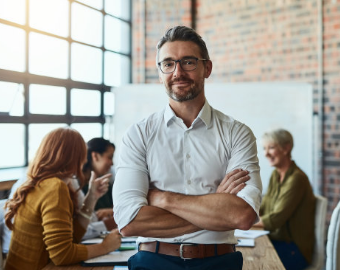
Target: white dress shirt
161,152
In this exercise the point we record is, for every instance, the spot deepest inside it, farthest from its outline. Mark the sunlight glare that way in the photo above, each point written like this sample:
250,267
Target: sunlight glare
12,48
48,56
50,16
13,10
12,98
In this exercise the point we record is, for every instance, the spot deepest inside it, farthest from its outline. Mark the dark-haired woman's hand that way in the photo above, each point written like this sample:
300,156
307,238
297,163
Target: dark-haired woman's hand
98,186
104,213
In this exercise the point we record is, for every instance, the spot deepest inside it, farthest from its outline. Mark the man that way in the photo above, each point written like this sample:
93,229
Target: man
171,185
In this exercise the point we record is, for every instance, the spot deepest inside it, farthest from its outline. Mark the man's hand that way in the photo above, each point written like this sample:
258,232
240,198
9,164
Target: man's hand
259,224
233,182
155,197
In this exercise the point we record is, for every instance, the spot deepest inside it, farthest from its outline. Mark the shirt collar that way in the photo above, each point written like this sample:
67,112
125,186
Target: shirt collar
168,114
204,114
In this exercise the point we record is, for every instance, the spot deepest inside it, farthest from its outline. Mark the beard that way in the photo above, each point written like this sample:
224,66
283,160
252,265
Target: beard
194,90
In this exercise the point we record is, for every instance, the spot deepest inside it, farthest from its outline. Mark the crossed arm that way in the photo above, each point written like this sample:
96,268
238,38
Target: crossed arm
171,214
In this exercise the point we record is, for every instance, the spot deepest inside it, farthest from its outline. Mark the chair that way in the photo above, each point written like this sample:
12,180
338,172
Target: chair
333,241
2,212
318,261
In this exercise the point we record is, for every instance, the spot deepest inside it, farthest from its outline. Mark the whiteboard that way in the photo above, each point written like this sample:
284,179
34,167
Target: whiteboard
261,106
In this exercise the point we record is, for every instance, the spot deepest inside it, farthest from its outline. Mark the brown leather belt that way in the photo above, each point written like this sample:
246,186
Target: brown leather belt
187,251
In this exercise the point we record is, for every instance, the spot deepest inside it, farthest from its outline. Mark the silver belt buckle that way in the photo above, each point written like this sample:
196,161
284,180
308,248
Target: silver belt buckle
181,251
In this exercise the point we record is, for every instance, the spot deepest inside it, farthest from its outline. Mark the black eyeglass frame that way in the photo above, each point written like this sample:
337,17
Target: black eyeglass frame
180,63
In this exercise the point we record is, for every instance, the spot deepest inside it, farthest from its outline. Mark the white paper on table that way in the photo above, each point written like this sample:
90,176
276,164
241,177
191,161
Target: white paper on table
94,229
252,234
92,241
98,240
120,267
245,242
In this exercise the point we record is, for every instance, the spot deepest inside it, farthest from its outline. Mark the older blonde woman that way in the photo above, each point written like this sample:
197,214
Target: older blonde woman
287,209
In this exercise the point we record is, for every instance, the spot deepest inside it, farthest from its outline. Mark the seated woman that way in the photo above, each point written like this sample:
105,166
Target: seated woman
288,208
48,225
100,160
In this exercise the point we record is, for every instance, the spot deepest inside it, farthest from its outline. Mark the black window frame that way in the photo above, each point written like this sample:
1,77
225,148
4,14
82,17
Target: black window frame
28,79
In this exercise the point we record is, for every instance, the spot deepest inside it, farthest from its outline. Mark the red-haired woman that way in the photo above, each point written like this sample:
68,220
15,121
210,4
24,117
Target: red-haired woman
47,224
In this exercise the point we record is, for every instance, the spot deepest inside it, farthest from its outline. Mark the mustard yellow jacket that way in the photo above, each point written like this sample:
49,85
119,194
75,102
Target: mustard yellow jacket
44,229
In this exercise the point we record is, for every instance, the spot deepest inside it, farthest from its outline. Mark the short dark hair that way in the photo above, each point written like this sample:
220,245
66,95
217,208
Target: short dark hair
183,33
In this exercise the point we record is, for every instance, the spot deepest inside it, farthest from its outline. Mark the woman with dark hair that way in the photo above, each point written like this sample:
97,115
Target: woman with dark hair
48,225
100,160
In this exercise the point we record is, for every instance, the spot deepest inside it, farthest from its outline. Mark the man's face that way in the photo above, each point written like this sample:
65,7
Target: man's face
183,85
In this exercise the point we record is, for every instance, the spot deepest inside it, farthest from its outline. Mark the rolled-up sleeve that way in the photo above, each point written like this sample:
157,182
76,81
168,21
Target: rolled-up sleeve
131,184
244,155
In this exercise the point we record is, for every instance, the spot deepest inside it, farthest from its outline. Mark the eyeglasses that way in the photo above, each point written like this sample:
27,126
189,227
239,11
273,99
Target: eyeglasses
187,64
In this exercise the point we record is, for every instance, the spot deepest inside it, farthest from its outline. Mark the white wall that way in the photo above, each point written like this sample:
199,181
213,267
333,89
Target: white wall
261,106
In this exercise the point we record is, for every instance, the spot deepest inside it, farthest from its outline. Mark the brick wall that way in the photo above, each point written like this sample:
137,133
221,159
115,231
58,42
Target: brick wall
331,12
158,16
261,40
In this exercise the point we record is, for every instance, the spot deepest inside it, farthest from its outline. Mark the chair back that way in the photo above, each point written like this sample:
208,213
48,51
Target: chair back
333,241
318,261
2,213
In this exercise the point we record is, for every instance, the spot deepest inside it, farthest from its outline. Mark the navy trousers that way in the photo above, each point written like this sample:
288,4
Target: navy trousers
145,260
290,255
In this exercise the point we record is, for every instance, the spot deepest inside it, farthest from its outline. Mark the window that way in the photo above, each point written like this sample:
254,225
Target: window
58,62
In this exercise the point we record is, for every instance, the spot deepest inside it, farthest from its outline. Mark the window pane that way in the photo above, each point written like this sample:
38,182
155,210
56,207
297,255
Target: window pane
86,63
48,56
13,10
89,131
50,16
46,99
12,98
12,48
118,8
98,4
85,102
12,145
109,104
87,25
36,132
117,35
109,129
117,69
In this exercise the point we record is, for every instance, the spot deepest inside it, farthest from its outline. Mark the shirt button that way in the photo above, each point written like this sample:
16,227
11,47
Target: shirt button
189,182
188,156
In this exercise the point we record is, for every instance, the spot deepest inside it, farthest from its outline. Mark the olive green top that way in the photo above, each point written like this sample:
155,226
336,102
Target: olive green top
288,210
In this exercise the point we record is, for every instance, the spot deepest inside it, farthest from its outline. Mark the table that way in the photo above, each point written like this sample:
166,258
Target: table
263,256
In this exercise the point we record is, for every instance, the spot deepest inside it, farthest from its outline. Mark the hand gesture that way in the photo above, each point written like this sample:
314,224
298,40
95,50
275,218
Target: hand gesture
112,241
98,186
233,182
